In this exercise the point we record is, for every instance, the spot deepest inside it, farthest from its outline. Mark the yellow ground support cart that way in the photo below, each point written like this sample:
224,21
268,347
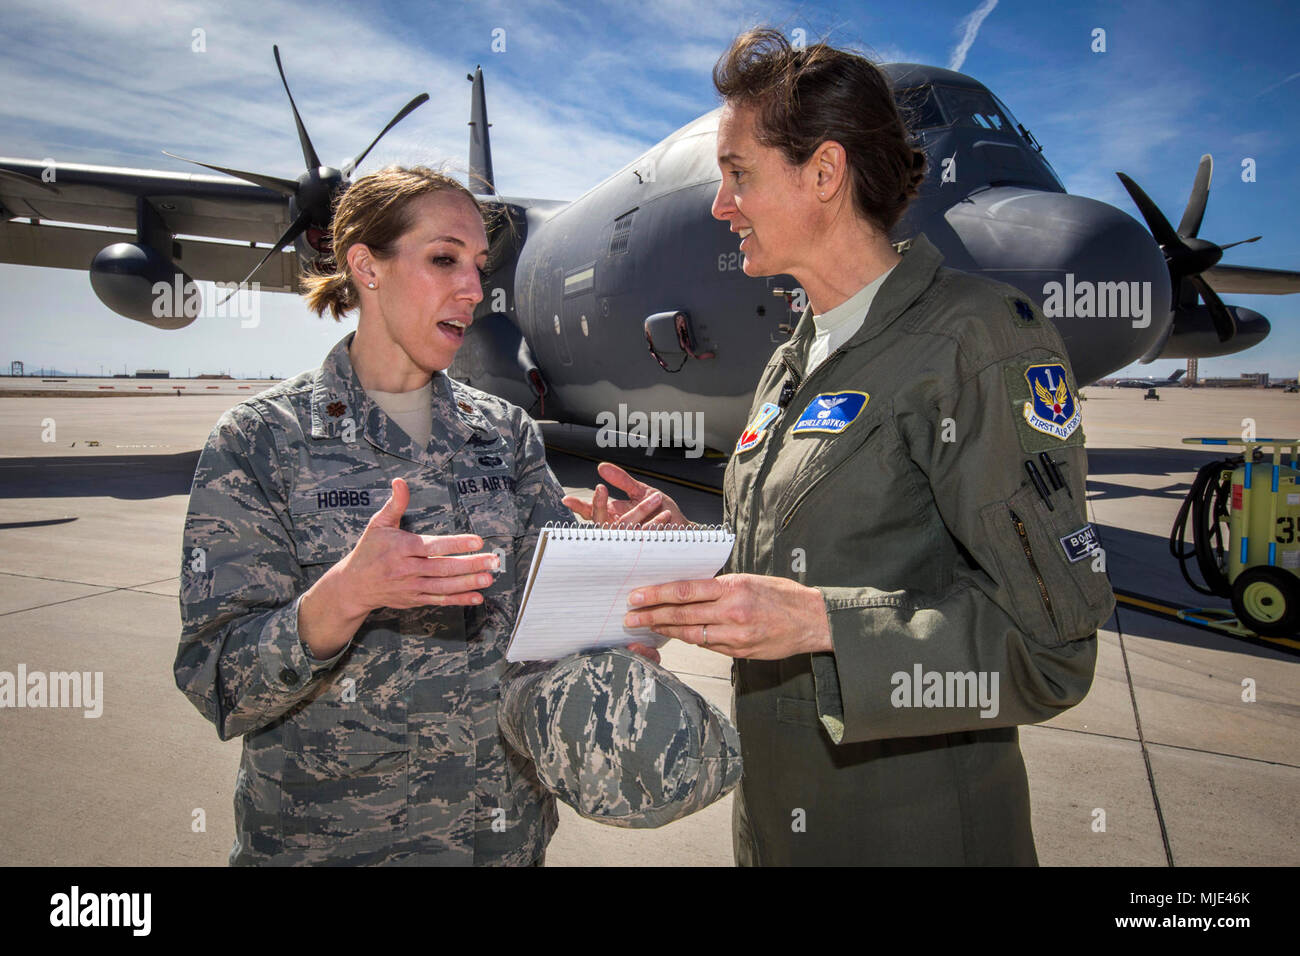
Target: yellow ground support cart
1257,565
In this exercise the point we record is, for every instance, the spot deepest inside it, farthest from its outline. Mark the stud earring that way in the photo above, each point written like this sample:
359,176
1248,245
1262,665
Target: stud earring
370,285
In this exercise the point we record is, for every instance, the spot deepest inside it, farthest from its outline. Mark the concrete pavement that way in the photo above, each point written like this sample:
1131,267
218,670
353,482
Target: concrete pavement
1164,746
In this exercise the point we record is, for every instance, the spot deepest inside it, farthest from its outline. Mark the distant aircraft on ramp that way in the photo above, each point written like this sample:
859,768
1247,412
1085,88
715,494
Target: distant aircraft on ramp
1152,382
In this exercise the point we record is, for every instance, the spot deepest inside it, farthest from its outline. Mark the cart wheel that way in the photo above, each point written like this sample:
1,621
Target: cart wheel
1267,600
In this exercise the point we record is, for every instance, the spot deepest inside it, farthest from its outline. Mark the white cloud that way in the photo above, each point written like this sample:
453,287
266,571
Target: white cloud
105,91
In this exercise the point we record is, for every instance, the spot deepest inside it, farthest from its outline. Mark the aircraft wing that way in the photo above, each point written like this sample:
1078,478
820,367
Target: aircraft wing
1246,279
88,204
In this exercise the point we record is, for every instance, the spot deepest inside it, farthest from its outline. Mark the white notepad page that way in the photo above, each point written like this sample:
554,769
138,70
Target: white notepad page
576,594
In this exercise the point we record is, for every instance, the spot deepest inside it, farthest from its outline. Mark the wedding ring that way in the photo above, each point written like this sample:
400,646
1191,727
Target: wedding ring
706,635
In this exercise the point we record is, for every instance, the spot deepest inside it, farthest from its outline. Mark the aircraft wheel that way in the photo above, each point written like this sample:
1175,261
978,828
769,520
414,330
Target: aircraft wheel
1267,600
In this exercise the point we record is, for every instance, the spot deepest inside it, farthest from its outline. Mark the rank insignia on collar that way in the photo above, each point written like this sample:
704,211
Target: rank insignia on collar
831,412
1051,408
465,406
336,409
757,428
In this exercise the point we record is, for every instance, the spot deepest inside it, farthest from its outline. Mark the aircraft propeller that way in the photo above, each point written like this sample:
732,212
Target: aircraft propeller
1186,255
311,196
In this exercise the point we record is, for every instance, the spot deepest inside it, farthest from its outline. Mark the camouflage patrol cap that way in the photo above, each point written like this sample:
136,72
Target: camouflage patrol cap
619,738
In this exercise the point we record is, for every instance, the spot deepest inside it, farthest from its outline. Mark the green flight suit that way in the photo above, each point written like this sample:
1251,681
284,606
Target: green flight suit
945,575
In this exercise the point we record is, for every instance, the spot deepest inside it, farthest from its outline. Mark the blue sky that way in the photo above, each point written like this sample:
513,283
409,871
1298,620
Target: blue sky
581,89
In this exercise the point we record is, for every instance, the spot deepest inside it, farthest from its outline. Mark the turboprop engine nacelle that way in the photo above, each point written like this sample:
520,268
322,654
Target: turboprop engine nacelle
1194,334
139,282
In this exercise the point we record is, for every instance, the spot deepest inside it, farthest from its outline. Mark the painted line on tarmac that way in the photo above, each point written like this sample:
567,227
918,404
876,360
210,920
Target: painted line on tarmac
1154,606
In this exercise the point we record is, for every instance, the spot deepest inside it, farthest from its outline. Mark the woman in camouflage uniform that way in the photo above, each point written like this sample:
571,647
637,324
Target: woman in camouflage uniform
356,541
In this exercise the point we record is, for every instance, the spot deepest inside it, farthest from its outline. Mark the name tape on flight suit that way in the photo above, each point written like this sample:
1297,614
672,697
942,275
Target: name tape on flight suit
1079,544
831,412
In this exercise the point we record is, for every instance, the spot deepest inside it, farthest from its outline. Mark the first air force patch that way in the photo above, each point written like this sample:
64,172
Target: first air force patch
1051,408
831,412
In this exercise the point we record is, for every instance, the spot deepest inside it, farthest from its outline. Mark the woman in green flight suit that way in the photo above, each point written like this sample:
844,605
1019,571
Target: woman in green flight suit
901,596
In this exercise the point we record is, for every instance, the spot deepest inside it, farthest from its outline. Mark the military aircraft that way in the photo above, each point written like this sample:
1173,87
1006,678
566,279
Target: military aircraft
1169,382
632,294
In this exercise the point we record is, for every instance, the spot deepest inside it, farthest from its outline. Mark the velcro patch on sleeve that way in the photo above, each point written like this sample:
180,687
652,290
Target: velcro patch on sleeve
1044,404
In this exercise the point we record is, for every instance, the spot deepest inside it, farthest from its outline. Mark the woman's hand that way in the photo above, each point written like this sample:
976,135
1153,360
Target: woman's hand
747,615
645,507
391,568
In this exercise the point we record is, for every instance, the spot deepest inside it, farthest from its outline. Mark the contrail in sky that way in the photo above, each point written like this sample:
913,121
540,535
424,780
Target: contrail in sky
972,24
1270,89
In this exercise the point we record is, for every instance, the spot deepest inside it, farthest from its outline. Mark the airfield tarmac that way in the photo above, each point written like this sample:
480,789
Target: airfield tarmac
1183,770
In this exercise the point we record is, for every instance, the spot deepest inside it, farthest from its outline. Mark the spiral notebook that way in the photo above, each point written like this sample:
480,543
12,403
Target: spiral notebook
581,575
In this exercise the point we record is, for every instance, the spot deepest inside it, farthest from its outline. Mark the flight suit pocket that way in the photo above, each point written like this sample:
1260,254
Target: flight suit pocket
829,466
1050,566
345,783
792,710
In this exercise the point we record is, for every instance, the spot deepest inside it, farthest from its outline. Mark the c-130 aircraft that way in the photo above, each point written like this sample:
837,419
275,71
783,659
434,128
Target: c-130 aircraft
633,294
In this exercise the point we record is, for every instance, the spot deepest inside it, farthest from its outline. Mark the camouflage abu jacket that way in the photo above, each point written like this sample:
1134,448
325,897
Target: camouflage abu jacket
961,603
388,752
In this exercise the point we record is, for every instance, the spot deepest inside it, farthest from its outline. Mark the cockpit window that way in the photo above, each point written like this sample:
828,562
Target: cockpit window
976,108
920,108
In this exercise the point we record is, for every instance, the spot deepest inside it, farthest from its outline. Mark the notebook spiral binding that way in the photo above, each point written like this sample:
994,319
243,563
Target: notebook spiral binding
587,531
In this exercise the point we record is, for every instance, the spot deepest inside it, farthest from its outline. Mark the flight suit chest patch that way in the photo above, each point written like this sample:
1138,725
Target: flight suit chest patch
831,412
757,428
1044,405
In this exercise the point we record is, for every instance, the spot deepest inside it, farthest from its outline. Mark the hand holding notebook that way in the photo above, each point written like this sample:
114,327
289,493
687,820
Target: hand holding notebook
581,576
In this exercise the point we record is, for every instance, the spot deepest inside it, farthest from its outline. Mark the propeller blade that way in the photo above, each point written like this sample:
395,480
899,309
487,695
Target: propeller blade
1224,323
1242,242
401,115
1153,353
284,187
1190,224
290,234
308,150
1163,232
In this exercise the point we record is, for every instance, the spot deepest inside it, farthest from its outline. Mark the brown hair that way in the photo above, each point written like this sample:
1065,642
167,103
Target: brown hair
375,211
804,97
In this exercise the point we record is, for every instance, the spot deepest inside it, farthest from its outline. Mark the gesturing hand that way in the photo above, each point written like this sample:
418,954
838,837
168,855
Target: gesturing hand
394,568
390,567
645,507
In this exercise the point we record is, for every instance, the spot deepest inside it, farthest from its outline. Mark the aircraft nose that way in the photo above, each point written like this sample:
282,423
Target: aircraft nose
1069,254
